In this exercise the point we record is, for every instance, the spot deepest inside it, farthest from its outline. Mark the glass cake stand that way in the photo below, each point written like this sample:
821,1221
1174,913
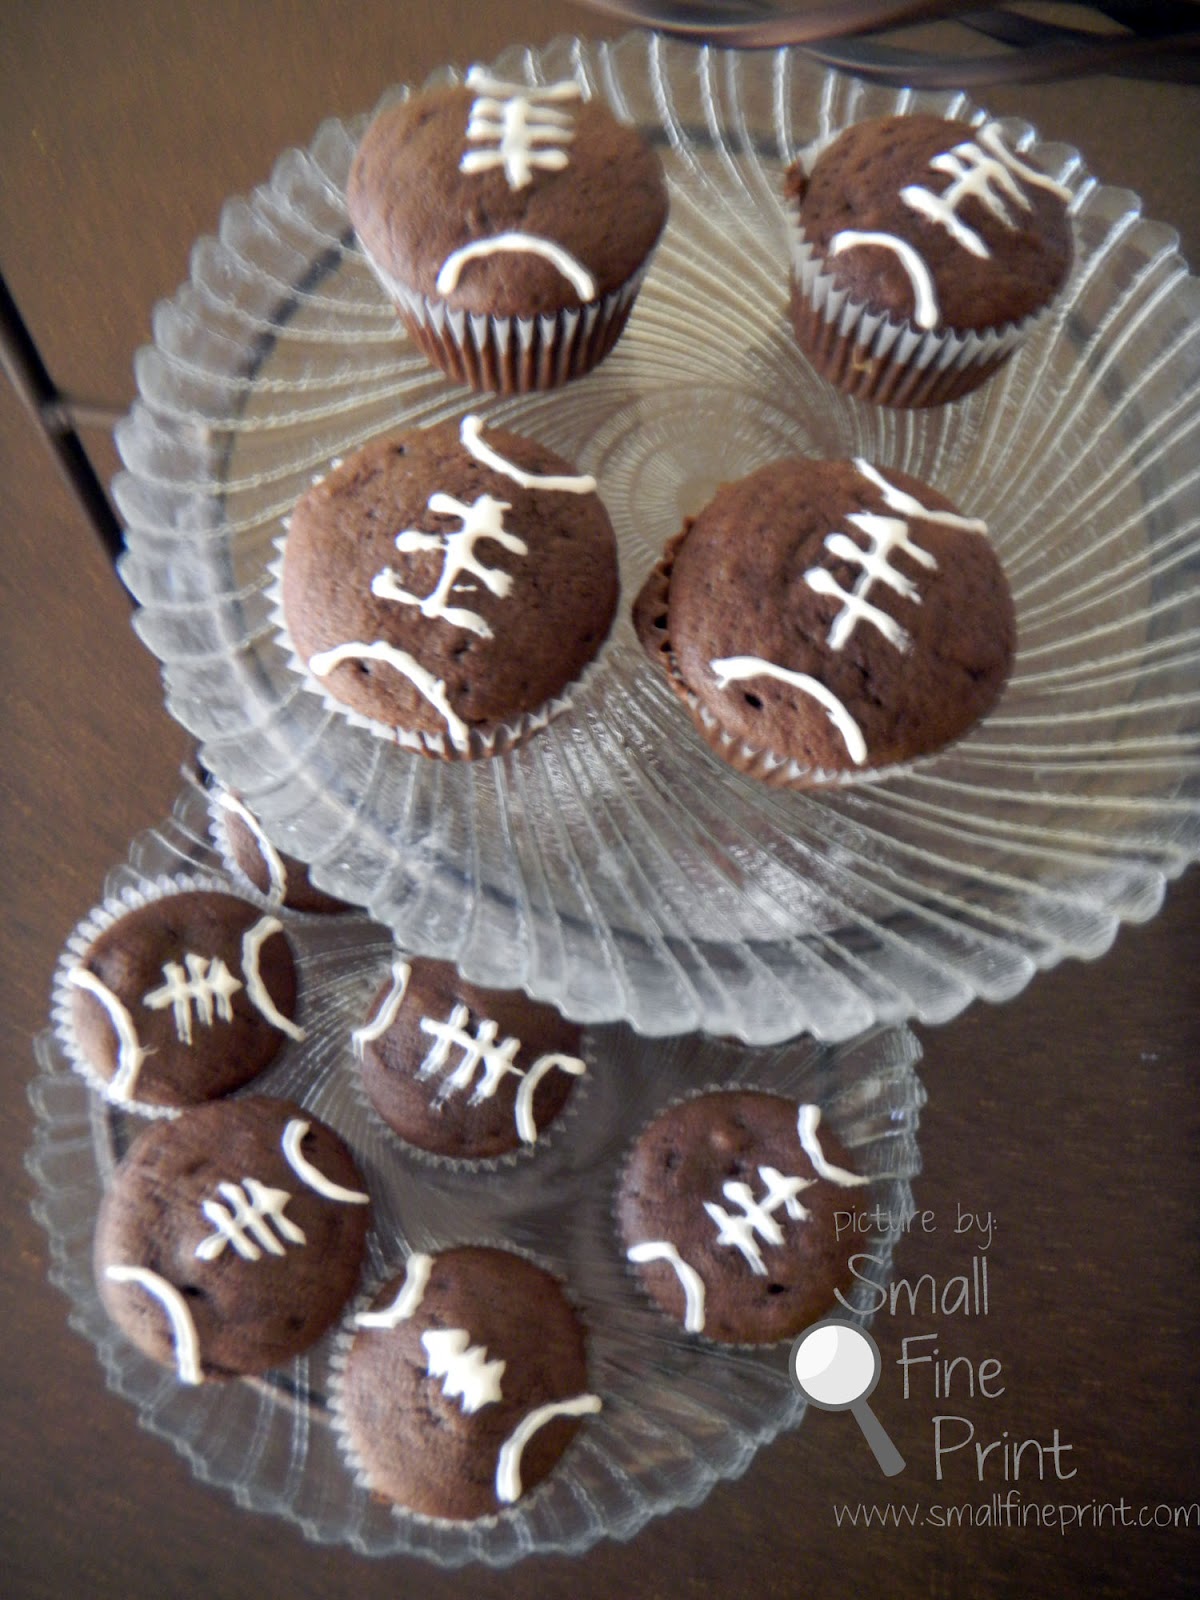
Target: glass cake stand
613,865
679,1414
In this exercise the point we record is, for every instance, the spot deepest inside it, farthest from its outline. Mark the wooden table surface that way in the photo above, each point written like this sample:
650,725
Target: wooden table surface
1069,1115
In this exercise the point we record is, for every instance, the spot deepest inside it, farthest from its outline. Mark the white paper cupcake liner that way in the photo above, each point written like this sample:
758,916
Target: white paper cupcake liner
343,1338
512,355
102,917
887,1238
549,1137
481,745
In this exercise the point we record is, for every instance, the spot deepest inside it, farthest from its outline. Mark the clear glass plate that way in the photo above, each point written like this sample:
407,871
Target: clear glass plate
678,1414
613,864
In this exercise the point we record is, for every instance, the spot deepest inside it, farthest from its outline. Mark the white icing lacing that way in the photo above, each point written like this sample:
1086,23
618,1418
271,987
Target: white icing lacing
206,984
806,1127
408,1297
183,1329
293,1133
508,1466
572,270
731,669
471,435
483,519
388,1010
887,535
130,1053
467,1374
526,1126
245,1220
256,990
520,125
758,1215
431,688
497,1059
690,1280
276,871
975,174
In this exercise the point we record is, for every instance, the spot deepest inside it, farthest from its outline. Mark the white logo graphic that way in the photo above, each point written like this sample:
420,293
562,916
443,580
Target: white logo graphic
758,1216
519,126
482,519
207,985
477,1048
246,1220
467,1373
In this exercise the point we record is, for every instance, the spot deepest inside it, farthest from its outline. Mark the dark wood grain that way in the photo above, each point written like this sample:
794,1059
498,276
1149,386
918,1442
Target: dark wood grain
1071,1113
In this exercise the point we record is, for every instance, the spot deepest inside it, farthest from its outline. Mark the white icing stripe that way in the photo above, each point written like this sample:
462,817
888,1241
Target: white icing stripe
806,1126
689,1278
130,1053
736,668
252,942
183,1329
386,1015
307,1173
925,310
408,1299
526,1126
471,435
508,1467
433,689
276,871
897,500
574,271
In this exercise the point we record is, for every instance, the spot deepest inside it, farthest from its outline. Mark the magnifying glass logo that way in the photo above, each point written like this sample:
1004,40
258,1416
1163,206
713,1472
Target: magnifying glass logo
836,1365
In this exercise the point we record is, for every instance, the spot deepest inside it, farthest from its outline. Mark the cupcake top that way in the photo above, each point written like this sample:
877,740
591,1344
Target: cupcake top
506,199
938,223
726,1209
184,999
231,1237
462,1071
448,582
830,615
464,1384
280,877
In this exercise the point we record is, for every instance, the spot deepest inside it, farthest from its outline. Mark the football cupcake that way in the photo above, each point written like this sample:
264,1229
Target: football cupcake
465,1381
922,252
727,1212
826,620
231,1237
510,224
449,585
464,1072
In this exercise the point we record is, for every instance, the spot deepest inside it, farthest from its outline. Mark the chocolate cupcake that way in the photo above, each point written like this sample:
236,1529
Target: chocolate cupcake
510,224
726,1210
922,251
826,620
448,588
280,878
181,1000
465,1382
231,1237
461,1071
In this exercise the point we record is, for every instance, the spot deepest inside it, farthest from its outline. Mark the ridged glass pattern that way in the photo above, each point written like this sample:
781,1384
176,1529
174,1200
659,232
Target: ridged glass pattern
613,864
